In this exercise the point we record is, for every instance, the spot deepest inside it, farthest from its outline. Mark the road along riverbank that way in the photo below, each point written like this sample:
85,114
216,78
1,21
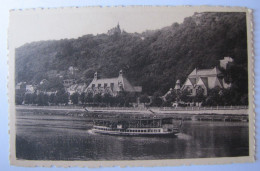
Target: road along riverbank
200,114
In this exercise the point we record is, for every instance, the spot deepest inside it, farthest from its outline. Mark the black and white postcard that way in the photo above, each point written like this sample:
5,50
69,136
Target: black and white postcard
131,86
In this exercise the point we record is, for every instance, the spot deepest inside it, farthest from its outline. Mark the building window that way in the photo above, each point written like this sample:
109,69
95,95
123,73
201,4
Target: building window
93,85
112,86
189,90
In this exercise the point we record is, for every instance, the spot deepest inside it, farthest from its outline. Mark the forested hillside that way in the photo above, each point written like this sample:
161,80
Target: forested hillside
152,59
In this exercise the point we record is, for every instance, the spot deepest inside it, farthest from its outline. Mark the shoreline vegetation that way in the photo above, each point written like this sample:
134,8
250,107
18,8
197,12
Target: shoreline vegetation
216,110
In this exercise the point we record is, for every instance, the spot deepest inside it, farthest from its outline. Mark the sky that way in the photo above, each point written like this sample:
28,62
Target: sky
35,25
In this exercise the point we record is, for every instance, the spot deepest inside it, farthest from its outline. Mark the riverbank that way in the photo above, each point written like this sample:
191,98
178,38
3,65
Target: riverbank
198,114
61,108
235,110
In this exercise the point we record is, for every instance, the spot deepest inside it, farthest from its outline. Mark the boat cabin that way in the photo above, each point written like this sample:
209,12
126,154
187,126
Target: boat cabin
135,123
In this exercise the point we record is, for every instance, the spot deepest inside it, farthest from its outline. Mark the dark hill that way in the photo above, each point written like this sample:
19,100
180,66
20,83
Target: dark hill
152,59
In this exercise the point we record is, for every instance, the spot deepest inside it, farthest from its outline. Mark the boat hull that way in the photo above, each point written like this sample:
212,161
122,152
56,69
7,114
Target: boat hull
136,134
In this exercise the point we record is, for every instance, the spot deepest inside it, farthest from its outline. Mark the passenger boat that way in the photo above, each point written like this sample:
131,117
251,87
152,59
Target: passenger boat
137,127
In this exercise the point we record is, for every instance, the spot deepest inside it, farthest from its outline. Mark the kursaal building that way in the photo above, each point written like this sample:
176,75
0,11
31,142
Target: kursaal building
112,86
205,79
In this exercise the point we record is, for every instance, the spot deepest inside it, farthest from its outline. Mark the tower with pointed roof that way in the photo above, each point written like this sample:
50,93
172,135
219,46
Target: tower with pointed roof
177,85
115,30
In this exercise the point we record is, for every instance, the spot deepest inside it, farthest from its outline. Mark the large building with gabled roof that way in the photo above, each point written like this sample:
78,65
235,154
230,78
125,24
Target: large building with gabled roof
204,79
112,85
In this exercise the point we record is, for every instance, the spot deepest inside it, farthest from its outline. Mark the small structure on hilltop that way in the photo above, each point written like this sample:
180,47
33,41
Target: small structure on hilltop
112,86
73,70
177,86
115,30
223,63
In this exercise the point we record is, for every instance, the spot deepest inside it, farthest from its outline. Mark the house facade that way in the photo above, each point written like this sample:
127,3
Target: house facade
112,86
201,80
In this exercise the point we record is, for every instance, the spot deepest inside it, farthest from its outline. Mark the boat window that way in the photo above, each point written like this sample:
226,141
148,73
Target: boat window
159,130
138,130
144,130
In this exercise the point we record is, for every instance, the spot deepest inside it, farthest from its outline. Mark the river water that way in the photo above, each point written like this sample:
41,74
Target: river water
50,136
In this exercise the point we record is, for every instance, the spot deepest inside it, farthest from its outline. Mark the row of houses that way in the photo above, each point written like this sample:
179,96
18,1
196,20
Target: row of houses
197,80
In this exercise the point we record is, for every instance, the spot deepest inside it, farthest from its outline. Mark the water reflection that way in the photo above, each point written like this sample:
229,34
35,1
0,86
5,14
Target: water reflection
59,137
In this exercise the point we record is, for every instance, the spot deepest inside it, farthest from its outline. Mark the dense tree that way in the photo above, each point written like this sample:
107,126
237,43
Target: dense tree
144,98
200,97
74,98
185,96
107,99
52,98
42,99
89,97
62,97
82,97
156,99
97,98
18,99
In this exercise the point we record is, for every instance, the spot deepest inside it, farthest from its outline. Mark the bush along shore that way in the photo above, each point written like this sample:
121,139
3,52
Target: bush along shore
231,113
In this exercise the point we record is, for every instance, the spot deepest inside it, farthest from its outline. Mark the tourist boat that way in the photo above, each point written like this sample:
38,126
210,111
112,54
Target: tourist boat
137,127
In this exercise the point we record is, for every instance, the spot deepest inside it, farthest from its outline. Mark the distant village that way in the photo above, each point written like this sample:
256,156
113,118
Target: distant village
197,90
